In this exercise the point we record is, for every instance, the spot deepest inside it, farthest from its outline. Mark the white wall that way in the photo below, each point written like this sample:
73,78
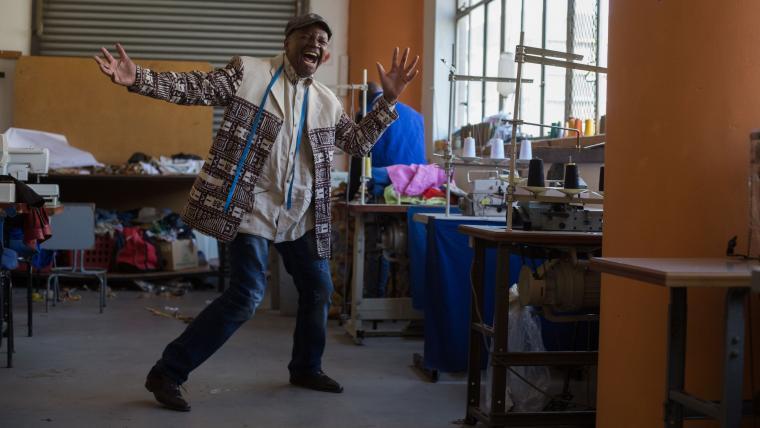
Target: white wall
336,14
438,41
335,70
15,35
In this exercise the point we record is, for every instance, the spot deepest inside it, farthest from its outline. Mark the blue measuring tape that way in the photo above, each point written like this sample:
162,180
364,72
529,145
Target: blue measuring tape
251,134
298,146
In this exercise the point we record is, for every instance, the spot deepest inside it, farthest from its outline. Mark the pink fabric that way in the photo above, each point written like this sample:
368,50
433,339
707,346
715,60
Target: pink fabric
413,180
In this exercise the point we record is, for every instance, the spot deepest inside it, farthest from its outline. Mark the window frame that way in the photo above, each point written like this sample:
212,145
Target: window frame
465,12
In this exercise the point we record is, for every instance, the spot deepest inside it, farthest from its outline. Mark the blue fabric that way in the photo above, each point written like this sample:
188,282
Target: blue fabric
220,319
403,142
448,294
417,251
380,180
569,336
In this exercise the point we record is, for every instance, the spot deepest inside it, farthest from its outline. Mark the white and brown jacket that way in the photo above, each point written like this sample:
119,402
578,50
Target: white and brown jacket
238,87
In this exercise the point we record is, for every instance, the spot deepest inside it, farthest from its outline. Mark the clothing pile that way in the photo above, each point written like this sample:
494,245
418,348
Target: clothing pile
127,241
142,164
23,233
412,184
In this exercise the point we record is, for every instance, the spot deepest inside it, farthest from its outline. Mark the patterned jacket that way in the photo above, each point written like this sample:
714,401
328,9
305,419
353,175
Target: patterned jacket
238,87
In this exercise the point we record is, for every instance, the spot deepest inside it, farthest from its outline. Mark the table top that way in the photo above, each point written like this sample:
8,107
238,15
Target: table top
355,207
426,217
680,272
22,208
540,237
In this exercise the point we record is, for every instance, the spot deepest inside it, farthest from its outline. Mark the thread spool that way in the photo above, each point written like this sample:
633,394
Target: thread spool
469,148
368,167
536,173
578,125
588,129
526,151
601,178
571,176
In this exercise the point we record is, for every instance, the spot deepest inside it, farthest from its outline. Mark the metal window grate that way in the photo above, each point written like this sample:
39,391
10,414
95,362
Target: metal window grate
573,25
195,30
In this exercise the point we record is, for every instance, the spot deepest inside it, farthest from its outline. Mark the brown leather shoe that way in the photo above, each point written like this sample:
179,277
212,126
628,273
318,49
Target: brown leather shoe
318,381
166,391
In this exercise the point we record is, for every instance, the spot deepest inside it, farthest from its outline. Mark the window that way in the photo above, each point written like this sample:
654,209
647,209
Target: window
486,28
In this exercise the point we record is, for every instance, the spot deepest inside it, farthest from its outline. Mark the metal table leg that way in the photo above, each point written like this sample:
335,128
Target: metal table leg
9,305
357,280
674,411
476,337
733,359
2,307
29,300
501,328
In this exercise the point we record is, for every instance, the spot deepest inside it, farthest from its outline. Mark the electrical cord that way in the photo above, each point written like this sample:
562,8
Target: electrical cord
513,371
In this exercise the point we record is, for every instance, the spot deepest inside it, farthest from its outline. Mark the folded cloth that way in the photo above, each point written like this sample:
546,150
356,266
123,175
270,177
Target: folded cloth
433,192
36,227
413,180
9,259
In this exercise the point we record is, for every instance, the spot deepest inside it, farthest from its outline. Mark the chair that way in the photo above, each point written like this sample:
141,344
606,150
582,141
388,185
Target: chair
75,231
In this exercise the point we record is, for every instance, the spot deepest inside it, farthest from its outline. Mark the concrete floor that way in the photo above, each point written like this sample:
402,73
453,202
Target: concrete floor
83,369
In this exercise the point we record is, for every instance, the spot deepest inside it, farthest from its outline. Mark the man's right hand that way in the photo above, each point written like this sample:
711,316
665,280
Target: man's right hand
122,71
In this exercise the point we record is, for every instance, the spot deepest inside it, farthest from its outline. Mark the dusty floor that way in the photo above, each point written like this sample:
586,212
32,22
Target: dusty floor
83,369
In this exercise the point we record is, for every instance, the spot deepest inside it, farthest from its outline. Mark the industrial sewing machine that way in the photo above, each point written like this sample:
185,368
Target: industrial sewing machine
488,199
563,282
21,163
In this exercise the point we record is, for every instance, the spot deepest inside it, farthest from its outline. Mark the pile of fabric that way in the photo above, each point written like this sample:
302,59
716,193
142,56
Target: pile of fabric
142,164
412,184
136,235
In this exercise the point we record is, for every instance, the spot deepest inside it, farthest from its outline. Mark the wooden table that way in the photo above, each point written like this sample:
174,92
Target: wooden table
738,277
372,309
507,242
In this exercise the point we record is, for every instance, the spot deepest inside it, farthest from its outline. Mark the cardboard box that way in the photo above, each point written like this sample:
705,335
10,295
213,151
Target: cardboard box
179,255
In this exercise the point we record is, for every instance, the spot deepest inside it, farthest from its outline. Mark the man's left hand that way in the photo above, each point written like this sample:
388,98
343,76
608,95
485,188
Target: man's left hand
395,80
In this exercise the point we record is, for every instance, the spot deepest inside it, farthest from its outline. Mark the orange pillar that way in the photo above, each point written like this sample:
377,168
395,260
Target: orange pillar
375,27
684,94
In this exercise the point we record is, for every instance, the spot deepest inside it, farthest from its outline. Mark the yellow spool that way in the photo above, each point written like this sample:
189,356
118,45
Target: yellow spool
589,128
368,167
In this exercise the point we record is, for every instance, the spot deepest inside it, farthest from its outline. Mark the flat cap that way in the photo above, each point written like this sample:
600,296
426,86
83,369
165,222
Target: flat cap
305,20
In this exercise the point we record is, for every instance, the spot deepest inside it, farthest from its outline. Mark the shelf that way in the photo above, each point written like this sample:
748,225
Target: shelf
204,270
189,178
373,208
22,208
568,142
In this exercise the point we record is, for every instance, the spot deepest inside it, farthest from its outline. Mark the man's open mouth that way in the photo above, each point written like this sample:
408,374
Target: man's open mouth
311,57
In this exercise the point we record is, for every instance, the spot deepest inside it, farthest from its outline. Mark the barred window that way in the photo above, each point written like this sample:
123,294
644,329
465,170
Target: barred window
486,28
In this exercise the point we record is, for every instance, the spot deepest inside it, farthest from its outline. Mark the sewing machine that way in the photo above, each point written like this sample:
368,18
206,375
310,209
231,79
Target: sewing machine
559,217
488,199
20,163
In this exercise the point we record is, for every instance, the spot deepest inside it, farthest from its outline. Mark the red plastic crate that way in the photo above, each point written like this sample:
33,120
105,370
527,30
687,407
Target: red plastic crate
100,257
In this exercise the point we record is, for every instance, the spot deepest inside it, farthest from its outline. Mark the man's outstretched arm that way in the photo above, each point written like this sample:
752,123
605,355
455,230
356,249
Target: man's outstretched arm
357,139
213,88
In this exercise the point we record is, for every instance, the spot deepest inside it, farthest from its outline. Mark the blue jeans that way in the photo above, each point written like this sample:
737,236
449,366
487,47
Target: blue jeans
219,320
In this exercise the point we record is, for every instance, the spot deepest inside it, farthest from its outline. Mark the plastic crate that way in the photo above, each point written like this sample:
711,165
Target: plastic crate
100,257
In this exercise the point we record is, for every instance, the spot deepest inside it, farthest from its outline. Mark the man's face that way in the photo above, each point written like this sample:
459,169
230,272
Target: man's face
306,49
